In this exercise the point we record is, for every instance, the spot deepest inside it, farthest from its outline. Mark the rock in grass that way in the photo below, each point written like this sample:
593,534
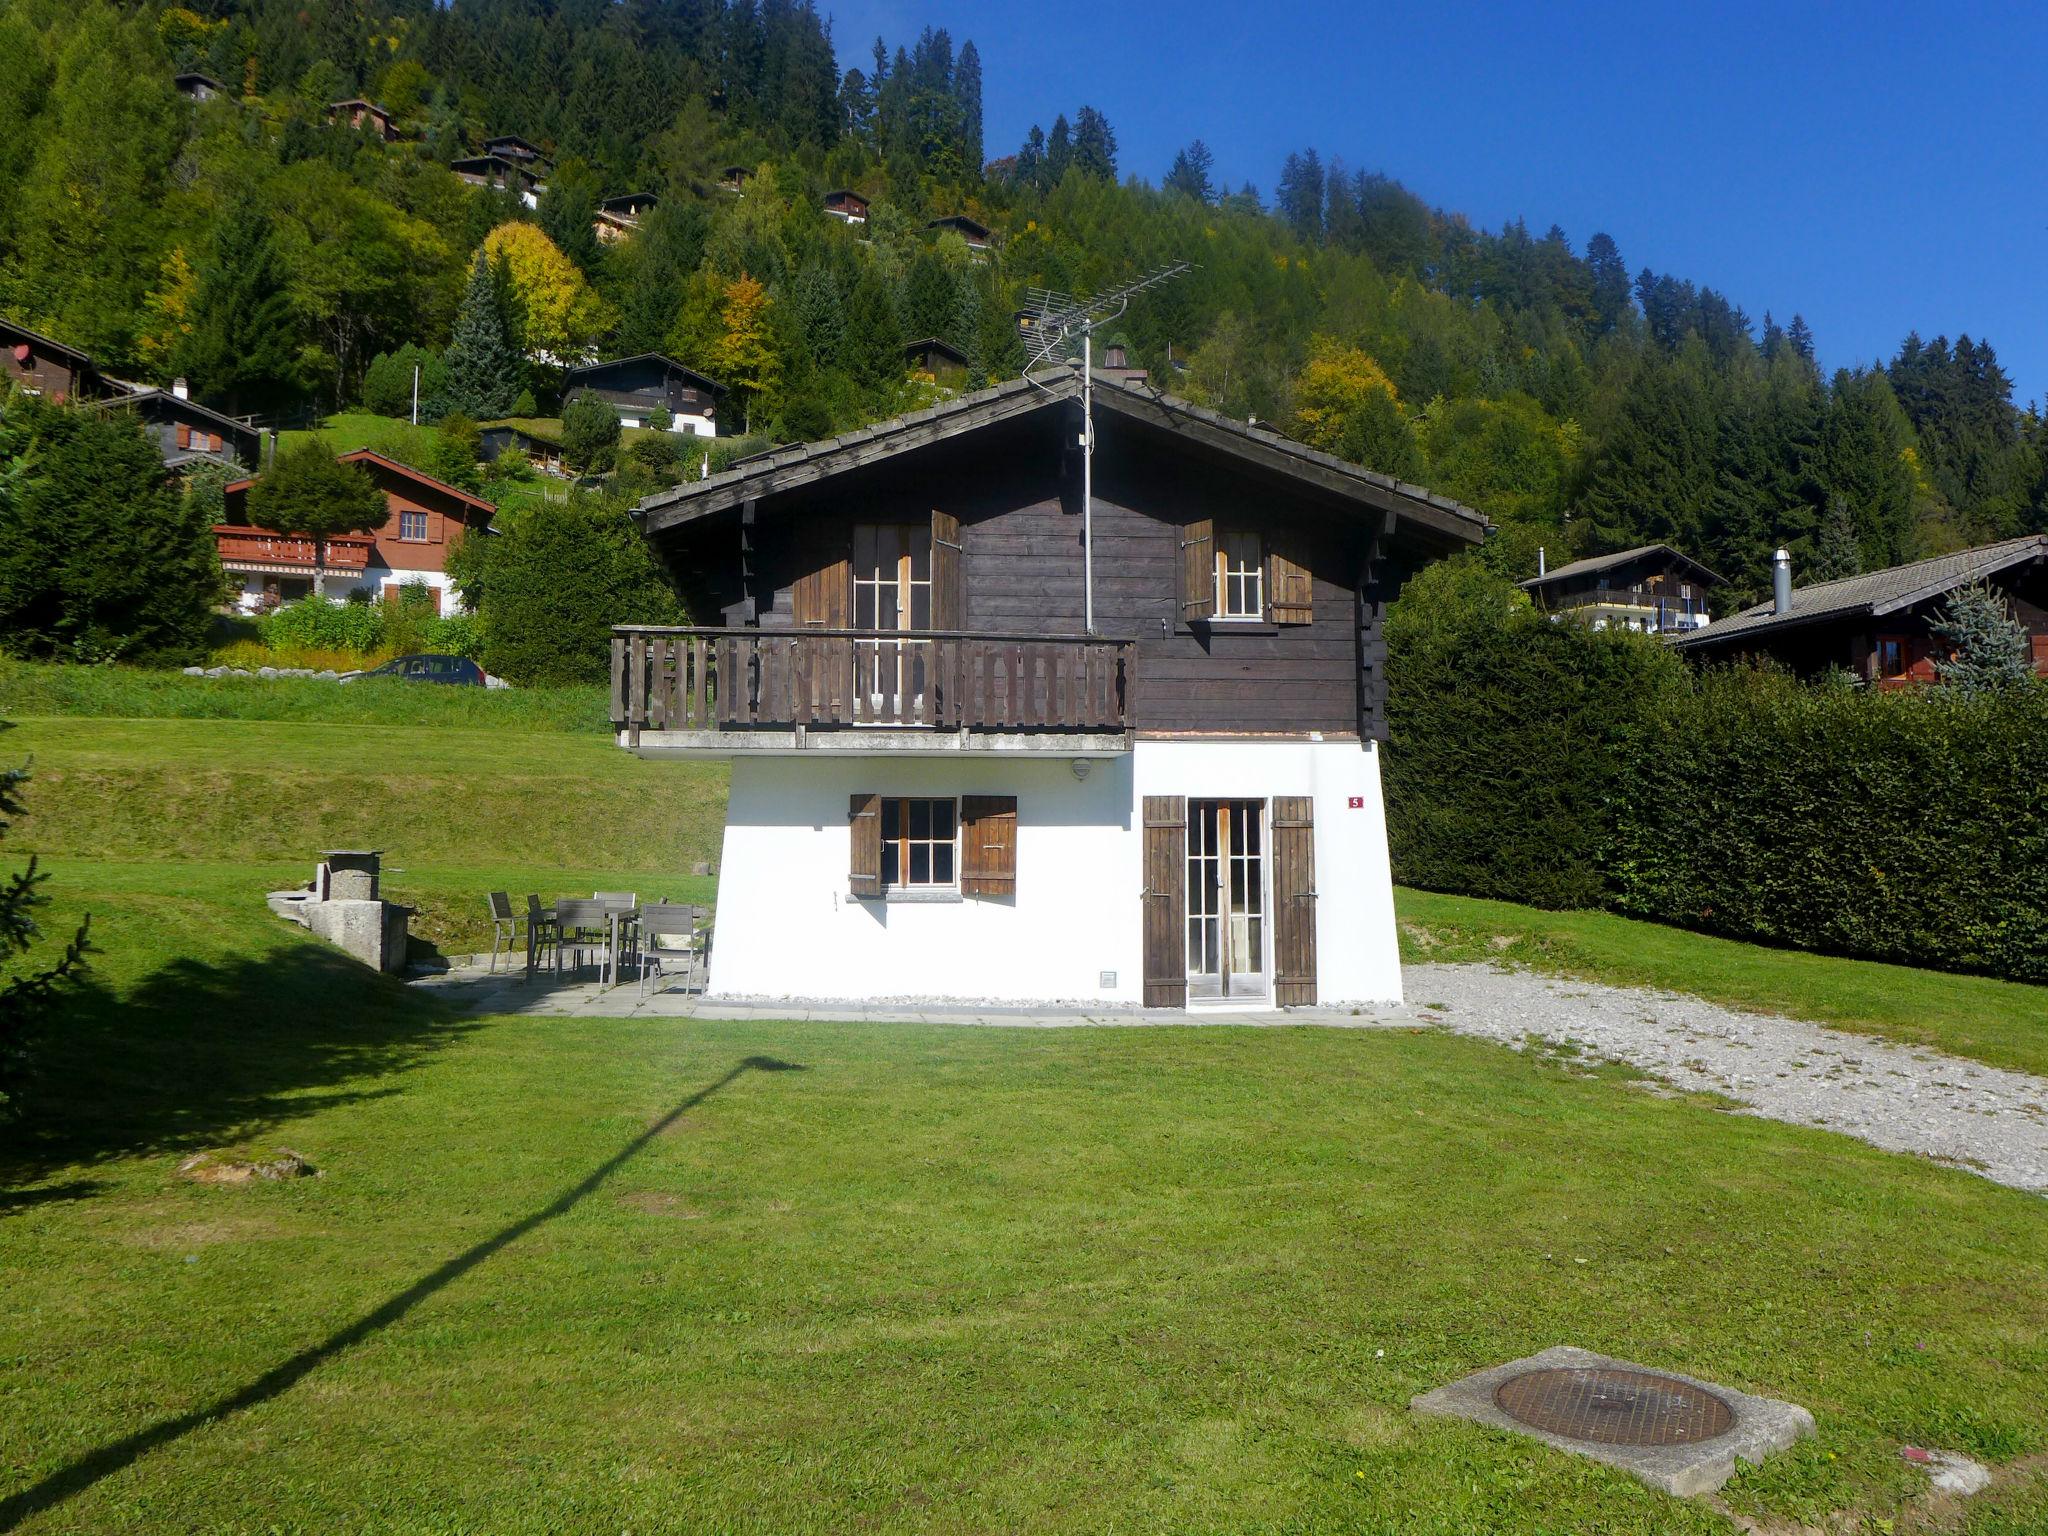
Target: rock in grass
212,1168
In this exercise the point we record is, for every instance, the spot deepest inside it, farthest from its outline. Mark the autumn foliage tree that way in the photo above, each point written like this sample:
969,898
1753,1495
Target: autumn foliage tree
743,355
562,314
1345,404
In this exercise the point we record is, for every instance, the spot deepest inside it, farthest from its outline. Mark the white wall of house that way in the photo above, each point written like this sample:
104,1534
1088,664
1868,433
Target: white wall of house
249,593
787,927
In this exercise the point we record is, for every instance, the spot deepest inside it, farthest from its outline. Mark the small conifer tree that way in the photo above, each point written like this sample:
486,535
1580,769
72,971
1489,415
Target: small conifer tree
1988,647
483,371
1839,553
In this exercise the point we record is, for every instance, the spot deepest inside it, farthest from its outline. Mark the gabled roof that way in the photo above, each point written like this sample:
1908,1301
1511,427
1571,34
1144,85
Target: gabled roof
934,344
197,79
512,138
846,192
584,374
357,101
178,405
1437,517
9,328
625,201
1593,565
1875,593
482,164
372,456
961,222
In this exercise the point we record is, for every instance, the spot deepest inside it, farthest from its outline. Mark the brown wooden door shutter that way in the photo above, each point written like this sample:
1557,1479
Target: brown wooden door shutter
949,606
988,845
1294,593
865,816
1198,570
1294,901
821,599
1166,902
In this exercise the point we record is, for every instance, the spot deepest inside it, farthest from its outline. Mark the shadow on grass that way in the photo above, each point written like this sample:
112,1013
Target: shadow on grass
111,1458
200,1055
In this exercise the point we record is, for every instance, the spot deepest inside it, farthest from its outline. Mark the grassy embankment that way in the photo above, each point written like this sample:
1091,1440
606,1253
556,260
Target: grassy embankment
602,1274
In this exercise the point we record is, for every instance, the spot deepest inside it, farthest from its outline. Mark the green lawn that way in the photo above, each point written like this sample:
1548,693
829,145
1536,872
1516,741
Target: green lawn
574,1274
2001,1023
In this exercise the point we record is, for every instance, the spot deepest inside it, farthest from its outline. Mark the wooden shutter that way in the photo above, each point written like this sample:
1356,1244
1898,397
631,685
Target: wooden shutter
184,435
949,605
1292,590
821,599
865,817
988,845
1166,902
1198,570
1294,901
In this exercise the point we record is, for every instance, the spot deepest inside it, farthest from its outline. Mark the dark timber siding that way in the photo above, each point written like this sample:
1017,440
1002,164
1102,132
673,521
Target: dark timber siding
1016,497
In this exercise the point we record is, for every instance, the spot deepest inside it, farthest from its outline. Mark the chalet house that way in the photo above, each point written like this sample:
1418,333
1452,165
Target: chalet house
618,217
519,151
41,366
499,436
426,518
1653,589
363,114
644,386
848,206
976,235
188,433
197,87
947,783
734,178
1878,626
946,363
506,174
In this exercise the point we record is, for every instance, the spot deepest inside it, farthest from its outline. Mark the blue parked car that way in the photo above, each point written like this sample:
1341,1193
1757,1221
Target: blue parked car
429,669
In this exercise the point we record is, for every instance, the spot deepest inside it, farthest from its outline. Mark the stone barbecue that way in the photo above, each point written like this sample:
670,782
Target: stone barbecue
344,907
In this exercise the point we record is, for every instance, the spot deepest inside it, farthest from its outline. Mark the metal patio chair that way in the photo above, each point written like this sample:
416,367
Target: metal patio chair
585,928
504,927
543,936
669,940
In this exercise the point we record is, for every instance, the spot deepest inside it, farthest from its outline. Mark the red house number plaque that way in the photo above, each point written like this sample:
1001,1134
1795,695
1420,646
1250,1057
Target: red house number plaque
1356,802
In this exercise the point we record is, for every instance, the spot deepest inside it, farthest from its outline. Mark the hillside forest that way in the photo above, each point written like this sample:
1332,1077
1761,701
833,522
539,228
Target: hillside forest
272,254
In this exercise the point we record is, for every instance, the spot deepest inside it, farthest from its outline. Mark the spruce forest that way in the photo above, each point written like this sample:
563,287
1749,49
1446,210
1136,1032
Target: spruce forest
263,248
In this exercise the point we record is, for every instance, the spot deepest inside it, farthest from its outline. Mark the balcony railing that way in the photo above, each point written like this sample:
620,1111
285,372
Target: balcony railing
689,679
259,546
1643,610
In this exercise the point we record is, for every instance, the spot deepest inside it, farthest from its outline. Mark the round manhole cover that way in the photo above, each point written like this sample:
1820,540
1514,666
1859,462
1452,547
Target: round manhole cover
1614,1407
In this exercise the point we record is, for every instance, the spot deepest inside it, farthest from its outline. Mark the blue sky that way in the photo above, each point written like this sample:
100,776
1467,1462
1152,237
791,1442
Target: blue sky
1875,168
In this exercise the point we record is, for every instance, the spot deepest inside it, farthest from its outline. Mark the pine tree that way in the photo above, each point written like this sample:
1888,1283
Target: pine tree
1610,282
1059,151
244,345
967,91
1989,648
27,998
1837,553
1095,145
820,318
874,335
1300,198
484,369
1190,173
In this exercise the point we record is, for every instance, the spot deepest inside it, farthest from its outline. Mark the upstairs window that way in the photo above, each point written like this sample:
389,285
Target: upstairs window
1240,576
412,527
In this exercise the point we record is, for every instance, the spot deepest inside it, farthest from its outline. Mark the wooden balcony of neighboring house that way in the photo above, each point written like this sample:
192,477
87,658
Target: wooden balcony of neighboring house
1624,608
714,692
258,549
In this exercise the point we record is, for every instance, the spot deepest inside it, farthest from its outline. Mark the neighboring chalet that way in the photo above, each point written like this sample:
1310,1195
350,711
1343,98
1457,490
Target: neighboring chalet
643,387
197,87
734,178
1653,588
946,363
43,366
363,114
618,217
1878,625
976,235
848,206
188,433
427,516
505,174
512,147
496,437
185,431
945,785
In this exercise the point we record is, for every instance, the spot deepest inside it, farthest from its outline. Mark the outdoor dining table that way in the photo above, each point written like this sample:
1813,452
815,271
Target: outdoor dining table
619,916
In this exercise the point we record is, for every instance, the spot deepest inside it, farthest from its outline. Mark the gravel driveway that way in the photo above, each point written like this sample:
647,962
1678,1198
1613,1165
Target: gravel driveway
1901,1097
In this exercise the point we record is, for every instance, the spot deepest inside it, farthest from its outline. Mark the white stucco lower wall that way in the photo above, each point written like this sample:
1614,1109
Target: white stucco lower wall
786,926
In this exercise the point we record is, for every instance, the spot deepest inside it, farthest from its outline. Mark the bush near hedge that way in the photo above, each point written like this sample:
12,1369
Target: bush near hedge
1907,825
1555,765
367,629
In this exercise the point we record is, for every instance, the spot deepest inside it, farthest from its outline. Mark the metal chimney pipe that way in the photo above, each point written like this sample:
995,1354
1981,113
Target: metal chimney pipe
1781,581
1542,563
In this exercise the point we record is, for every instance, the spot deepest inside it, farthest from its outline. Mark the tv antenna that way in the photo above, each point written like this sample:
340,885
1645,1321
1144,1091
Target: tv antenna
1049,324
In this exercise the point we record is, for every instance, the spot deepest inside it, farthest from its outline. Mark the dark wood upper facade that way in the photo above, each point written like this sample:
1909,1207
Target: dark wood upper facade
986,525
648,383
44,366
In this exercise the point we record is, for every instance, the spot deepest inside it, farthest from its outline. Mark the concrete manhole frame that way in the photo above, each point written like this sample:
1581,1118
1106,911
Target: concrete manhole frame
1756,1426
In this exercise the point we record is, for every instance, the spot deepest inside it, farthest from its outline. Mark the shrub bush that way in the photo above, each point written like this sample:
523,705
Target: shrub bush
316,624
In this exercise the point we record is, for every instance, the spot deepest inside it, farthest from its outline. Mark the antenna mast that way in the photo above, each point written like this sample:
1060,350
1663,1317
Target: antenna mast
1049,324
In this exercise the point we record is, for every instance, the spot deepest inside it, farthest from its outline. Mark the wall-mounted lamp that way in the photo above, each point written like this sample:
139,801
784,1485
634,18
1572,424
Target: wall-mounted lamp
1080,765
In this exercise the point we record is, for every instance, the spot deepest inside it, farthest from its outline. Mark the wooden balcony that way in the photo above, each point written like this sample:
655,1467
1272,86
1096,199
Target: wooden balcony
259,548
724,690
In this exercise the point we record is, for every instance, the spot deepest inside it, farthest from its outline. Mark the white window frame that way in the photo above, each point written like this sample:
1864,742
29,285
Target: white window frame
405,521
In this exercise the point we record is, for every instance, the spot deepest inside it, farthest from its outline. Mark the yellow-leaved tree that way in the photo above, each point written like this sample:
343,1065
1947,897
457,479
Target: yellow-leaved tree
744,356
562,315
1345,404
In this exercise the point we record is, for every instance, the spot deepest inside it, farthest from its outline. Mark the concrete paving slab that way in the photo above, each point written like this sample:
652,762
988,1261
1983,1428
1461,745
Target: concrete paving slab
1762,1424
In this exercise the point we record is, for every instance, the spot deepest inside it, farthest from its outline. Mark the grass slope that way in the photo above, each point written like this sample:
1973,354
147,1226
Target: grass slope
2000,1023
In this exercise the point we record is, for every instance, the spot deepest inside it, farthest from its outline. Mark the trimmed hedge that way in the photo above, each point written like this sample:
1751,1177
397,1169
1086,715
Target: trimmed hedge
1553,765
1907,825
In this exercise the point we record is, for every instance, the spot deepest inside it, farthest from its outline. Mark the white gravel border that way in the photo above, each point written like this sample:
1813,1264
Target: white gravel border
1903,1098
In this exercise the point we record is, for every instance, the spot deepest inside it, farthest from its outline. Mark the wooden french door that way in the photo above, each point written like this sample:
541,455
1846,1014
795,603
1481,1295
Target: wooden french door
892,590
1226,899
